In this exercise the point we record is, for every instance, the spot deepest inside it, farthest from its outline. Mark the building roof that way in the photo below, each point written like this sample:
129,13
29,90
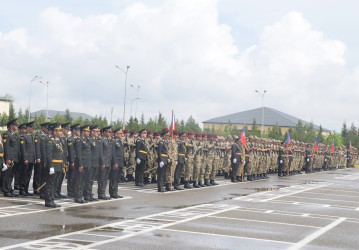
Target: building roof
53,113
4,100
272,117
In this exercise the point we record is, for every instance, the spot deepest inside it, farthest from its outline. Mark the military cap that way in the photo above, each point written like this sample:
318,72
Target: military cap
85,128
215,136
149,132
204,135
46,124
75,126
125,131
142,131
209,136
51,126
22,126
108,129
56,126
132,132
190,133
156,134
164,131
181,133
66,125
118,130
13,122
94,128
31,125
198,134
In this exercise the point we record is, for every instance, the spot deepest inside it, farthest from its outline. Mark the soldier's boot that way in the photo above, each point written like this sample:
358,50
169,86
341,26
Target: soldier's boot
182,180
201,184
178,187
187,185
168,187
195,185
153,180
266,176
146,180
213,182
227,176
249,178
233,179
206,182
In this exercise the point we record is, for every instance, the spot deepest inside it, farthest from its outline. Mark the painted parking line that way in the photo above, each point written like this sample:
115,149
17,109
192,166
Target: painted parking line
316,234
126,229
65,203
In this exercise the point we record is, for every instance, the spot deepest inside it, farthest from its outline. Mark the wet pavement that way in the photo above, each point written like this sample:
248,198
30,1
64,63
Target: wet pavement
307,211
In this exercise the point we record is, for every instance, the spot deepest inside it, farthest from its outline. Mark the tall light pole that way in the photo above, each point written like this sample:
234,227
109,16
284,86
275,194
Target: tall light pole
138,88
47,98
134,99
33,79
262,94
124,99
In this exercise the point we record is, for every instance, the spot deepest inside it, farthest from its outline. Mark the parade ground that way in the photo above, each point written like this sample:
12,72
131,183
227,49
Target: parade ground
306,211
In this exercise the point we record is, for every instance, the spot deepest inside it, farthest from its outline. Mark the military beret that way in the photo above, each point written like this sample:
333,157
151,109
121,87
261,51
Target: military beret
182,133
13,122
132,132
66,125
156,134
190,132
164,131
31,125
125,131
204,135
149,132
198,134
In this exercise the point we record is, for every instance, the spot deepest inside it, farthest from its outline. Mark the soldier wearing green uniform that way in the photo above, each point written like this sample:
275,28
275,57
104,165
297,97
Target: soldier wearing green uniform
95,163
54,163
75,133
107,150
163,160
118,163
141,157
190,153
181,160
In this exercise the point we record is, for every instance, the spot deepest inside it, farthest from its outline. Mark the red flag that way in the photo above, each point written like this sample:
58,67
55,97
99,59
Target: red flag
350,145
287,142
243,136
333,145
316,144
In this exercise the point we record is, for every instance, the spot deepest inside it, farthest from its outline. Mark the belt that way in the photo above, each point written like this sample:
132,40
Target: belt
141,151
164,155
181,154
309,155
58,161
247,155
1,155
290,155
238,153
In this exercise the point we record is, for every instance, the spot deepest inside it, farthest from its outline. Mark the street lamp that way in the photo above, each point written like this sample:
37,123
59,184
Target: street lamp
134,99
33,79
262,94
124,99
138,88
47,98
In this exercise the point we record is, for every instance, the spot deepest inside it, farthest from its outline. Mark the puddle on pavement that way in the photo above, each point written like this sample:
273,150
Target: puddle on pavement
262,189
312,182
162,235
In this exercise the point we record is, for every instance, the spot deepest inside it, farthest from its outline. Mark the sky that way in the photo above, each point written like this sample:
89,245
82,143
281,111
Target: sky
203,58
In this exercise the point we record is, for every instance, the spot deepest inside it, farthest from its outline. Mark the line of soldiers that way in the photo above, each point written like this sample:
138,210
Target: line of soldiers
168,158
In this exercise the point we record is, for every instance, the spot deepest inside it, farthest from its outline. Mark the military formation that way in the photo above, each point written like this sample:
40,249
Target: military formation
173,160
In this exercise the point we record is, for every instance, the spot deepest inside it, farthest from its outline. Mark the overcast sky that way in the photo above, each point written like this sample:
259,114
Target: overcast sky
201,58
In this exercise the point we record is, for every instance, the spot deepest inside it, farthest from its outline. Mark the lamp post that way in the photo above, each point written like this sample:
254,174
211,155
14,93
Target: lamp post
134,99
262,94
33,79
138,89
124,99
47,98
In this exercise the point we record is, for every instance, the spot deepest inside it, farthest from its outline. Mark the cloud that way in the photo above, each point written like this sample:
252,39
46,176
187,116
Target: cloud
183,59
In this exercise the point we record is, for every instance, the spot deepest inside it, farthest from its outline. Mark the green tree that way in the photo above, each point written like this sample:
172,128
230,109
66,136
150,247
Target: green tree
4,118
255,129
161,122
275,132
192,125
67,116
320,135
337,138
12,114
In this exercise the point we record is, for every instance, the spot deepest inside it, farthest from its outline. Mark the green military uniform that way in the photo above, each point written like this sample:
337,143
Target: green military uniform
119,162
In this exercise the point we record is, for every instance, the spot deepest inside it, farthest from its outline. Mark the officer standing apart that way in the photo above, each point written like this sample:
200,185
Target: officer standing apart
236,158
163,160
141,157
54,162
119,162
106,161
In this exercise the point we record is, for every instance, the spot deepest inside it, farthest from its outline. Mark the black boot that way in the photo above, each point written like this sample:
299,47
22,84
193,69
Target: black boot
153,180
206,182
168,187
201,184
178,187
187,185
213,182
195,185
146,180
182,180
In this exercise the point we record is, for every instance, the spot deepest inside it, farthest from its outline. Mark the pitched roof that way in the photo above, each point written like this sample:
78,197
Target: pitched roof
52,113
272,117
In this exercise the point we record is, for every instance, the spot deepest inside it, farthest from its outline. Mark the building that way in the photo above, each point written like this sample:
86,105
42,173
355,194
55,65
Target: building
272,117
53,113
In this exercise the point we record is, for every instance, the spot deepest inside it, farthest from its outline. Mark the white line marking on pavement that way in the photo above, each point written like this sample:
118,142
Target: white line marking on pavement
357,209
262,221
322,193
269,211
224,235
311,198
315,235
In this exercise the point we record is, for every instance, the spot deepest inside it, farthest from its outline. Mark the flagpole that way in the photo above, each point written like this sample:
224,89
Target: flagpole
171,148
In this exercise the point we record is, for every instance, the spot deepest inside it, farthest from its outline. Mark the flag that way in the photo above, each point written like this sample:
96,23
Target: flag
243,135
316,144
350,146
173,123
287,142
333,145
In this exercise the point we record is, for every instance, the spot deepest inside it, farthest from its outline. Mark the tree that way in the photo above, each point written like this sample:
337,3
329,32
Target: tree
255,130
67,116
192,125
4,118
275,132
337,138
161,122
12,114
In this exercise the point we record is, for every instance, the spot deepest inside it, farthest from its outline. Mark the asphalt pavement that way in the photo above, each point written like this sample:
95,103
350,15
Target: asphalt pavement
307,211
